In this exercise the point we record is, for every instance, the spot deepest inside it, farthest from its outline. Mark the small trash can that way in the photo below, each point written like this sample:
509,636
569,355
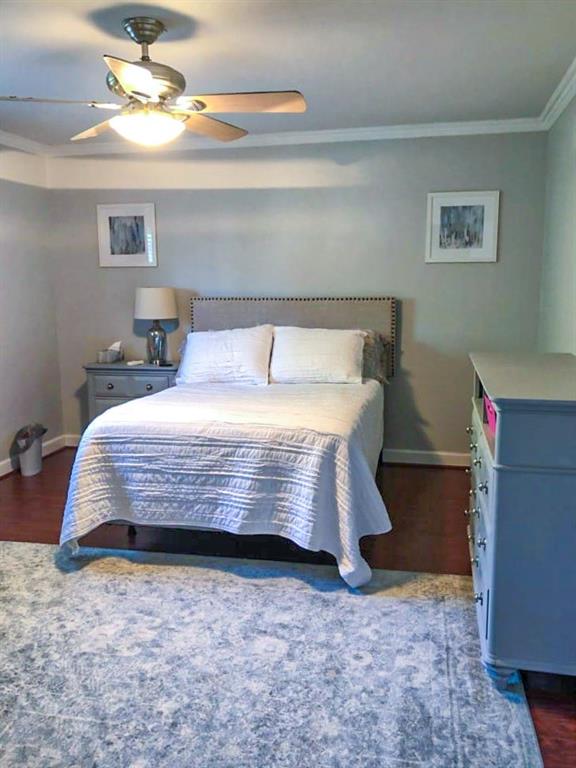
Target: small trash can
29,448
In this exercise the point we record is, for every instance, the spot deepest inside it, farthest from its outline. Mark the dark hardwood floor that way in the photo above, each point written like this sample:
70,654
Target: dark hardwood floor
425,504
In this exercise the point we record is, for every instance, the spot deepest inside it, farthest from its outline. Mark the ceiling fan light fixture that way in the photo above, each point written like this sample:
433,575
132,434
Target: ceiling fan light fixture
149,129
155,112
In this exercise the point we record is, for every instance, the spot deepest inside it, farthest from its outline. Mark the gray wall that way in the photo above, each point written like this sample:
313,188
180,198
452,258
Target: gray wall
557,331
29,372
364,235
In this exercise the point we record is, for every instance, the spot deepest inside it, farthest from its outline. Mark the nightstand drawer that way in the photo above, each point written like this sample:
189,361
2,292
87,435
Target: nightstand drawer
103,404
118,383
147,385
112,385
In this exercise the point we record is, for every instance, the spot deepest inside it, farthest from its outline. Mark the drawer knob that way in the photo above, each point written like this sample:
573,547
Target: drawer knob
483,487
474,447
109,385
474,561
472,492
478,598
149,387
477,463
482,543
471,538
469,430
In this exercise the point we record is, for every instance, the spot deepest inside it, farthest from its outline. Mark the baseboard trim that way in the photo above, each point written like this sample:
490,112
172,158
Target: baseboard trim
389,455
432,458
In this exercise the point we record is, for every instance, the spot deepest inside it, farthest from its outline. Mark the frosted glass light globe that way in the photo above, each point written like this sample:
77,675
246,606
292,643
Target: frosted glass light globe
150,129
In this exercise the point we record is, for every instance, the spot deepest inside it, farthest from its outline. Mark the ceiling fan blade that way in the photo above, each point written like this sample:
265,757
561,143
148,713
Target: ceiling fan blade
134,79
90,133
34,100
264,101
209,126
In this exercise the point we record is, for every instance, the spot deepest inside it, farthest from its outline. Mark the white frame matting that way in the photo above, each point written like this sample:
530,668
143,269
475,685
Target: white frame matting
435,254
147,258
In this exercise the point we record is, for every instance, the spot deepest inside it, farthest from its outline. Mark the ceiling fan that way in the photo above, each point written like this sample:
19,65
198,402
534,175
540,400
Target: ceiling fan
156,112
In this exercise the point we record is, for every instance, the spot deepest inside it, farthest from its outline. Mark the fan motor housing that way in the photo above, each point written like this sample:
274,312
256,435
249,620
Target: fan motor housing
172,83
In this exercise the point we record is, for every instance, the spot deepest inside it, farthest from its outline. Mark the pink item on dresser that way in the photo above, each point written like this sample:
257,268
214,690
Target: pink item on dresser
490,414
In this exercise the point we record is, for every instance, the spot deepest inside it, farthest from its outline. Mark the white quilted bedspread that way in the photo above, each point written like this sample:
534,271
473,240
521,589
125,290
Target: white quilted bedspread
293,460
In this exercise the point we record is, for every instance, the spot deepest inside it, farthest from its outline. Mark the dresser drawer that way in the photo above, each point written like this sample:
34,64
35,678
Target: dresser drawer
481,474
147,385
479,445
102,404
480,540
481,504
476,564
112,385
482,601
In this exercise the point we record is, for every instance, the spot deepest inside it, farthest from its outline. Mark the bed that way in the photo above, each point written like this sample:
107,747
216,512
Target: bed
294,460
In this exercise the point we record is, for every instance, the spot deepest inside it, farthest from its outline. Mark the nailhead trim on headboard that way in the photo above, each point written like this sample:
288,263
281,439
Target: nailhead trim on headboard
390,299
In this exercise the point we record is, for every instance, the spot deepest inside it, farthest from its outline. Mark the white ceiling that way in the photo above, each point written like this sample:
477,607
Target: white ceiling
360,63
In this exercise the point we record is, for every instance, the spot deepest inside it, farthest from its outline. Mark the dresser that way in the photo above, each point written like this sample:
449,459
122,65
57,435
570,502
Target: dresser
522,513
111,384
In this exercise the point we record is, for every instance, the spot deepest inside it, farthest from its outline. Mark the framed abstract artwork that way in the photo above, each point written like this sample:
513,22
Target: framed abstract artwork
462,227
127,235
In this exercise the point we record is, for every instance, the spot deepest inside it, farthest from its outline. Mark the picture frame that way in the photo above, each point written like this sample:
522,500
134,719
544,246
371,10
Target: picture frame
462,227
127,235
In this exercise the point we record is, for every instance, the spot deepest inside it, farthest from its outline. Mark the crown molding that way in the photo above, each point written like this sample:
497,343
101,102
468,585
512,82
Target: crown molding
290,138
561,97
13,141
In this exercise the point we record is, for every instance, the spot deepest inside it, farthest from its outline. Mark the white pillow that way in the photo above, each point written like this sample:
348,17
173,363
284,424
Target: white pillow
316,355
237,356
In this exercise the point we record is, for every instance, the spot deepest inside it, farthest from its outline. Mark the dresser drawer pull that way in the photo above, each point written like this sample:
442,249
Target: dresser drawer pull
474,561
469,430
482,543
483,487
474,447
478,598
109,385
474,512
149,387
472,493
471,538
477,463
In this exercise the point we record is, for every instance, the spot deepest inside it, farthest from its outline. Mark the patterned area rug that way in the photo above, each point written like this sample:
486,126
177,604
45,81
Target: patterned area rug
142,660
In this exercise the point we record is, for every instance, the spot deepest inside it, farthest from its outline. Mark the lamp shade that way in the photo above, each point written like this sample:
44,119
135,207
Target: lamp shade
155,304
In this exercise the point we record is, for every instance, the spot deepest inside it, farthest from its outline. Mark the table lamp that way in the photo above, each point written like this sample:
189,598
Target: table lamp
155,304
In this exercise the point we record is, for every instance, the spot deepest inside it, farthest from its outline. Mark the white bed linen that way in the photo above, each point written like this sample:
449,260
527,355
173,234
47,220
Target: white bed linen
293,460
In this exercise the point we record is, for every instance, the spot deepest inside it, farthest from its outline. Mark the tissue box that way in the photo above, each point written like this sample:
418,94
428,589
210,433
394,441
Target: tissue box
109,356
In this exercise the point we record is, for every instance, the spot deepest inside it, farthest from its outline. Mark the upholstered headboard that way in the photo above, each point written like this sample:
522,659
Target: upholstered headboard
378,314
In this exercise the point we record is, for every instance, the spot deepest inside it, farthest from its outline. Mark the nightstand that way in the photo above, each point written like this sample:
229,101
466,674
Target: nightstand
111,384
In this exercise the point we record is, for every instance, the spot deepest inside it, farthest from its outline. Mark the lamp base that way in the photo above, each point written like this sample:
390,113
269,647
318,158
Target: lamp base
156,344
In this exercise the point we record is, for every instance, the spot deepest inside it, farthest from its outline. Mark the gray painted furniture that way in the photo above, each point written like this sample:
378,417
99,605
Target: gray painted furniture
522,516
111,384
